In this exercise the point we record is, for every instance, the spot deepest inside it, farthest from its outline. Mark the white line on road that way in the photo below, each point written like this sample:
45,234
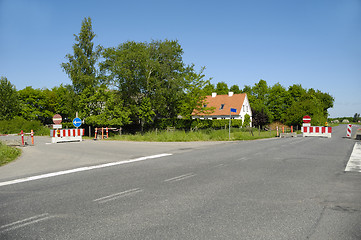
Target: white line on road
181,177
117,195
24,222
48,175
354,163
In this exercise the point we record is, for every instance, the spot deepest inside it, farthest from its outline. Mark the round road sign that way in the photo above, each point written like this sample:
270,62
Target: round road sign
57,119
77,122
306,119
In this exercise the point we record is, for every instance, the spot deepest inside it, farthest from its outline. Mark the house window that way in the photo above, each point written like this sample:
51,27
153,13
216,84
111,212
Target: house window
222,106
244,108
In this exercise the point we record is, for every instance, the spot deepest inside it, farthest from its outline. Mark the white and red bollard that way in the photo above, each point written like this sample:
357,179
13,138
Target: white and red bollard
349,130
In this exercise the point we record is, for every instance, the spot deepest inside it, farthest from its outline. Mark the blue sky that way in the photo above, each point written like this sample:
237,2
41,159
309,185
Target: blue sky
315,43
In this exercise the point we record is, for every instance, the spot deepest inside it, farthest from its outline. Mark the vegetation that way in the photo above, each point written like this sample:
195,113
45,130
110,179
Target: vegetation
142,86
200,135
8,154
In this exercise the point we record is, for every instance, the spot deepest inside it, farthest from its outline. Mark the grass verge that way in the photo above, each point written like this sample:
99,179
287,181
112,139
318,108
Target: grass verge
200,135
8,154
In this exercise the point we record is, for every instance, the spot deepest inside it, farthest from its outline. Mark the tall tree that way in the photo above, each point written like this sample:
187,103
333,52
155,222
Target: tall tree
222,88
235,89
81,67
9,100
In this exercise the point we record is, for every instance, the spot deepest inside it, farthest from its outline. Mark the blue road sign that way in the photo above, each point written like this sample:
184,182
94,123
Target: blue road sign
233,110
77,122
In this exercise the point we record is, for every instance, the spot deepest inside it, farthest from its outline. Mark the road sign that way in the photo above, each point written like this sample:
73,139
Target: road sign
233,110
306,119
76,122
57,126
57,119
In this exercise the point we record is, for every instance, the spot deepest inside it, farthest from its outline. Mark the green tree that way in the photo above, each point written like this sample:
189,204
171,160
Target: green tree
208,89
246,121
356,117
279,101
145,112
81,67
222,88
105,108
235,89
9,100
195,95
152,70
36,104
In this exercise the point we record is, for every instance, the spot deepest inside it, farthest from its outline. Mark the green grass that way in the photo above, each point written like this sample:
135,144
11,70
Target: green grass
200,135
8,154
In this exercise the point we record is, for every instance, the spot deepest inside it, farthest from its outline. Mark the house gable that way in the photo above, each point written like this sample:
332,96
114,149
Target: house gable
222,105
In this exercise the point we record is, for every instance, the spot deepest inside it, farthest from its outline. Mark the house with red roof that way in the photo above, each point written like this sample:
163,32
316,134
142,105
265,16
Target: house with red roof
222,105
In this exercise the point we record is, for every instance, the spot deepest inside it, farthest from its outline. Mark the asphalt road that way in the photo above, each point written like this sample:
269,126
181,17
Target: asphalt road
290,188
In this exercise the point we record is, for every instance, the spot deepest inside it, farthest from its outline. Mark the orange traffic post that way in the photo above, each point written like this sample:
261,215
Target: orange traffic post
32,136
96,131
22,138
102,133
283,129
277,130
291,129
107,132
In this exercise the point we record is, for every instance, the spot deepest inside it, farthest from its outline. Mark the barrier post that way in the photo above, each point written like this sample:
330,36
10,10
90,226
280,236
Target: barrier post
349,130
102,133
291,129
32,136
283,129
277,130
107,132
95,135
22,138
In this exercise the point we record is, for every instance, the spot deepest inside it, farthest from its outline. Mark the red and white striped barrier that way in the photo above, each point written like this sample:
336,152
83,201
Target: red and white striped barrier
66,135
349,130
316,131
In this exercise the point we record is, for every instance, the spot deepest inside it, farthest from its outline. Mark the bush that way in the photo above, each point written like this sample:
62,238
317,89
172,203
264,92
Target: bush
18,124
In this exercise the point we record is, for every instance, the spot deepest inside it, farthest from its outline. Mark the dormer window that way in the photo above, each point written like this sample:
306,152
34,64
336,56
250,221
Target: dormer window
222,106
205,105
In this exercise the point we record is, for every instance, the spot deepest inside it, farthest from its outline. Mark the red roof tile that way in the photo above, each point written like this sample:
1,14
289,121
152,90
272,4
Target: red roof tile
235,101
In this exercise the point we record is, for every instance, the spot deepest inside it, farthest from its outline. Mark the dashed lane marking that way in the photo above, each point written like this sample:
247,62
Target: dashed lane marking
117,195
354,163
181,177
24,222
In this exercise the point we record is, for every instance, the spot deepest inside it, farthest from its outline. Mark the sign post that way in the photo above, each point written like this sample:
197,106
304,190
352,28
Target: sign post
230,117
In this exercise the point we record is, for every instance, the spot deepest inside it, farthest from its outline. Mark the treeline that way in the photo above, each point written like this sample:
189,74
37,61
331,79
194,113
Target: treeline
136,84
277,103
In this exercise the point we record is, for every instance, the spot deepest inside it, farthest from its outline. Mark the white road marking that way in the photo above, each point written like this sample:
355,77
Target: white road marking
117,195
48,175
354,163
181,177
24,222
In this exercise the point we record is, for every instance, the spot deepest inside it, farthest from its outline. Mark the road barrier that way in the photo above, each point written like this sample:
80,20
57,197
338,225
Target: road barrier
349,130
66,135
316,131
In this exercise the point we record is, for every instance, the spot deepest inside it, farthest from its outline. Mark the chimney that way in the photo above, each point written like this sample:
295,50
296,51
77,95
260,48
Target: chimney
230,94
214,94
